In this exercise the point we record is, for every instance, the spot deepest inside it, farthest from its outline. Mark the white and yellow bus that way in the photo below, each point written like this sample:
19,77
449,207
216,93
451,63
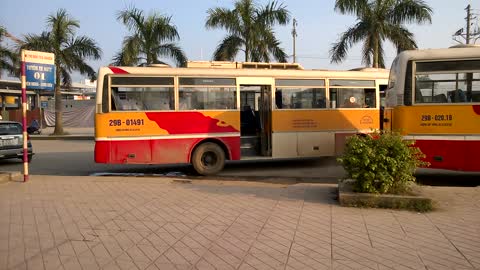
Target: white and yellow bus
210,112
433,97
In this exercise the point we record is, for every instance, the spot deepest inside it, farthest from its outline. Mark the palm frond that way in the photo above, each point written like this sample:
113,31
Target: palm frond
247,25
164,30
8,58
272,47
131,50
84,69
401,38
8,61
354,7
132,18
173,51
274,13
223,18
84,47
66,78
42,42
411,11
367,51
247,11
228,48
118,59
347,39
381,53
62,26
148,39
382,20
3,31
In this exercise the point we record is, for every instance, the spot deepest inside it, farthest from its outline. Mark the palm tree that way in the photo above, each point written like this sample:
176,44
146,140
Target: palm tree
7,57
152,37
378,20
70,54
250,29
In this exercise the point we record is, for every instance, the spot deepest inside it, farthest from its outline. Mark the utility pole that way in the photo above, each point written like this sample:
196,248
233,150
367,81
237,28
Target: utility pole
294,34
470,33
467,39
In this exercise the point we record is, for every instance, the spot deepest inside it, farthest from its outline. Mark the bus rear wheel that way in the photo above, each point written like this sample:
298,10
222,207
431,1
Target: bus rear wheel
208,159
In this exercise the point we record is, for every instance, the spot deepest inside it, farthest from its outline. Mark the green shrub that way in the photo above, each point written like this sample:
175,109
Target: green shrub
381,162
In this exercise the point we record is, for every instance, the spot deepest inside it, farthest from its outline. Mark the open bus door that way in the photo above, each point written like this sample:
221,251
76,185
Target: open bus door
256,116
265,111
382,88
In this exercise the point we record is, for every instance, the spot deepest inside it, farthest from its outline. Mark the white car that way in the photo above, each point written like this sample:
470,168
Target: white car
11,141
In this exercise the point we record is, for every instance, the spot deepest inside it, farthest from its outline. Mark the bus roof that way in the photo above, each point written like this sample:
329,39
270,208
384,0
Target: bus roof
455,52
246,72
399,65
242,65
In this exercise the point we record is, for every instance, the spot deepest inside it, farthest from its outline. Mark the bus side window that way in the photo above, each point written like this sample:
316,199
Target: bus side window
113,97
370,98
456,96
278,99
418,95
440,98
105,94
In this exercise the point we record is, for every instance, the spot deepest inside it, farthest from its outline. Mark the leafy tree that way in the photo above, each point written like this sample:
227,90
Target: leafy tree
250,29
70,54
152,38
7,57
381,162
378,20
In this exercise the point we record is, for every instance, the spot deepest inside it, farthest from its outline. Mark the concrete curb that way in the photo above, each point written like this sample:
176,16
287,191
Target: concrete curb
346,197
6,177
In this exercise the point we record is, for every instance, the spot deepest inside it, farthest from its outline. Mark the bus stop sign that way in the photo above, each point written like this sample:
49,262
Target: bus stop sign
39,70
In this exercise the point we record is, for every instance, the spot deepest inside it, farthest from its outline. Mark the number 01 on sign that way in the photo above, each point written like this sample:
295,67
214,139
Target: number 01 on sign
38,72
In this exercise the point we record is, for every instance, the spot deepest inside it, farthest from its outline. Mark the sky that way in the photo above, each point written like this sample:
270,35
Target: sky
319,26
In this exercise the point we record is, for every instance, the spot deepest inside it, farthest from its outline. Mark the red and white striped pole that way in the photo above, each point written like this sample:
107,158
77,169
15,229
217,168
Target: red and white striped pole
24,119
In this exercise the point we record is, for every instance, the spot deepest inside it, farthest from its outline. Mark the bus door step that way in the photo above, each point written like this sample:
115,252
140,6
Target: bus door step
249,145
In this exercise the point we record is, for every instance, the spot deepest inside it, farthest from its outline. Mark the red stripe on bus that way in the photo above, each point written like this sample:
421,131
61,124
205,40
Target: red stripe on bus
189,123
476,109
158,151
451,155
117,70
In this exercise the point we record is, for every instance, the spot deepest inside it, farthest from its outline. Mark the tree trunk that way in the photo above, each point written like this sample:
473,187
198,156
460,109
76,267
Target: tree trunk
247,48
58,104
149,59
375,53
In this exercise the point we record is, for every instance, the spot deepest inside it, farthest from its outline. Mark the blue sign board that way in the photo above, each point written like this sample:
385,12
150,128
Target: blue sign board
40,76
44,104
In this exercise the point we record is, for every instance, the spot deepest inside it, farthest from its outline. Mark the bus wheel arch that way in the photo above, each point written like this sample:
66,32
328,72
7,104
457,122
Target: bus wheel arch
208,156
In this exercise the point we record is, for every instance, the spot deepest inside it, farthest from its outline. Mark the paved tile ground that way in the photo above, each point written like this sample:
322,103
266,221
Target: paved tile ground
151,223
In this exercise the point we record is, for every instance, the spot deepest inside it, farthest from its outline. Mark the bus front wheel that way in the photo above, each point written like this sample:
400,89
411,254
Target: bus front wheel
208,159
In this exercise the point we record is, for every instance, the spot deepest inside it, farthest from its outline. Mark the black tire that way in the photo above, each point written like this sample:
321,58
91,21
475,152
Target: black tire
208,159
